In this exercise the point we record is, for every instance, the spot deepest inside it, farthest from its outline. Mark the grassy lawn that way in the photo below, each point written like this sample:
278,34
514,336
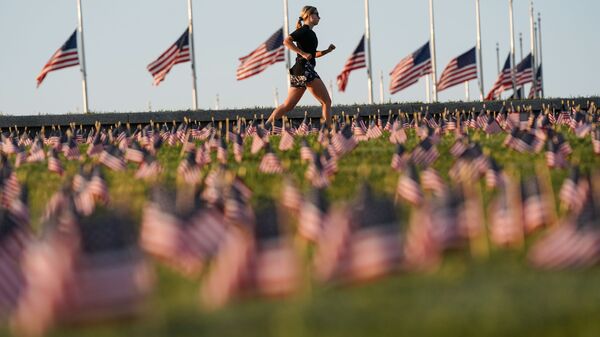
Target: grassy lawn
500,295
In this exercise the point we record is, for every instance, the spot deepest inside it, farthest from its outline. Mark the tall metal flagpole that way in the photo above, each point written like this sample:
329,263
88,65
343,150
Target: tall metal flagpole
479,57
522,87
532,46
82,58
427,88
286,32
512,48
369,56
192,56
433,63
540,48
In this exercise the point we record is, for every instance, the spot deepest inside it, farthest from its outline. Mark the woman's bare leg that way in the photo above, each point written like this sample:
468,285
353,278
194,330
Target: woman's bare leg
294,96
318,89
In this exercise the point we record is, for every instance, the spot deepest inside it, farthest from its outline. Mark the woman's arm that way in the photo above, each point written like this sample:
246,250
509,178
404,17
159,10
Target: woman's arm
326,51
289,43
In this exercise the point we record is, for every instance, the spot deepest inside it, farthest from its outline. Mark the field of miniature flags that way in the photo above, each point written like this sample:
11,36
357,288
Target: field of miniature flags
118,222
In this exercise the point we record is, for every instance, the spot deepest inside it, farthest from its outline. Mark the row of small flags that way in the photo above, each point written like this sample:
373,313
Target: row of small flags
88,264
406,73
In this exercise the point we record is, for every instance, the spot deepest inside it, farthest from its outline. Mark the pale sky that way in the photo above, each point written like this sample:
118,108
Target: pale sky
123,36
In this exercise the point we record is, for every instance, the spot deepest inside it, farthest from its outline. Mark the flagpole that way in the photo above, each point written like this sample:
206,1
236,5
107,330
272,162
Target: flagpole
512,48
498,57
532,46
368,45
192,56
286,32
467,91
479,55
433,64
381,97
427,88
83,70
540,48
522,88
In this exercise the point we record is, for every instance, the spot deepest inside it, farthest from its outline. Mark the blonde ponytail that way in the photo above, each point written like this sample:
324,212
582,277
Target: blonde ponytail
304,14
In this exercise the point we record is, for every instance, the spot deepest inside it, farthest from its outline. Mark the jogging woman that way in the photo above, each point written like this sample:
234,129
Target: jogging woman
303,74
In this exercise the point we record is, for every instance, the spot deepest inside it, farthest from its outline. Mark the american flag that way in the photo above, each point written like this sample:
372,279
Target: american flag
65,56
356,61
268,53
459,70
410,68
286,142
179,52
572,192
312,213
399,158
537,86
503,82
524,71
54,164
14,237
573,244
374,248
506,228
409,187
269,163
230,269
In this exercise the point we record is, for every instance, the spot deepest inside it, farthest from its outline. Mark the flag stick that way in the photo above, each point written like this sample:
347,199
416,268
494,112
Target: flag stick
192,56
545,180
516,203
83,70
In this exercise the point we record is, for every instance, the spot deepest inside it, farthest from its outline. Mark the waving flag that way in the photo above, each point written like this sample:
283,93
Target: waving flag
356,61
537,86
410,68
66,56
524,71
179,52
459,70
504,81
269,52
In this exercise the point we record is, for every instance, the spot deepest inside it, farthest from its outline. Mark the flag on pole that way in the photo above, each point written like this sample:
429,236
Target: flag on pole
410,68
268,53
524,71
66,56
459,70
179,52
537,86
356,61
503,82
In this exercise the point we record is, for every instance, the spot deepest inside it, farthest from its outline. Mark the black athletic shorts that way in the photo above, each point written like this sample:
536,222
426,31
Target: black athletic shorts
302,73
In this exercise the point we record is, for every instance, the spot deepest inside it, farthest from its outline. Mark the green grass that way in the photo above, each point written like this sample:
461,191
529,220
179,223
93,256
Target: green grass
495,296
